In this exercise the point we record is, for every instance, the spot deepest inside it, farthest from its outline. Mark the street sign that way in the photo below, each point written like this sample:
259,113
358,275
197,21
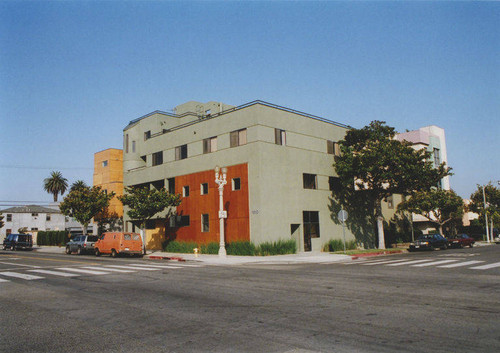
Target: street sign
342,216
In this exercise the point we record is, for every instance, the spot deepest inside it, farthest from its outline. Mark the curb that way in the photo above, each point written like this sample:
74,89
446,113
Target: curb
156,257
354,257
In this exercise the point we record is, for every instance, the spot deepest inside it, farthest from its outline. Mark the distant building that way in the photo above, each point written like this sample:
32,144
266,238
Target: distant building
108,174
32,217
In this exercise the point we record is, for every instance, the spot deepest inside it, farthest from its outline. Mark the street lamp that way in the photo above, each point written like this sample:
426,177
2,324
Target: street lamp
220,179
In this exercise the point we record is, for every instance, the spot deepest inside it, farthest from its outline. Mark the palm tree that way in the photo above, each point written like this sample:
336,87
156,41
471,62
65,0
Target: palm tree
55,185
78,185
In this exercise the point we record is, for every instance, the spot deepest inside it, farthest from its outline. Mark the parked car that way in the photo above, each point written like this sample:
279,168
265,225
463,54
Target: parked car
81,244
119,243
18,241
429,242
461,240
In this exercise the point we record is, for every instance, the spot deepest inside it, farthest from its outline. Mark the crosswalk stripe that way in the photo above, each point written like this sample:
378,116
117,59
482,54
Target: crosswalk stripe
107,269
16,264
411,262
372,263
485,267
81,270
157,266
134,267
4,280
20,275
435,263
460,264
55,273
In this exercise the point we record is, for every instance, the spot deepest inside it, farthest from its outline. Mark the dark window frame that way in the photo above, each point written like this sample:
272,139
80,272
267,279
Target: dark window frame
310,181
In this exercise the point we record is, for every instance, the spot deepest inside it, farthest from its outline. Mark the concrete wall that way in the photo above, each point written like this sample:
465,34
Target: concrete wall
40,222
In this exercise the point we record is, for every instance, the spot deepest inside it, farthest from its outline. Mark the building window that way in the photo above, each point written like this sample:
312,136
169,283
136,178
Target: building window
311,224
133,146
210,145
157,158
184,221
204,188
144,158
437,158
34,229
334,183
181,152
105,163
309,181
147,135
34,214
236,184
9,217
333,148
280,137
390,202
8,231
47,218
238,137
205,226
126,143
185,191
171,185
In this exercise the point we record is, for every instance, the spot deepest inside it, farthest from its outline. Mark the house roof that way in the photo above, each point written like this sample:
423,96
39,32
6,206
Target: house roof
30,209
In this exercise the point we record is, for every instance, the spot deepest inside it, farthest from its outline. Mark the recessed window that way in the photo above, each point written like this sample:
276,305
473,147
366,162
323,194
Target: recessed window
436,155
236,184
47,218
181,152
9,217
34,215
34,229
210,145
205,226
171,185
309,181
157,158
126,143
185,191
311,224
147,135
105,163
333,147
280,137
390,202
204,188
238,137
133,146
144,158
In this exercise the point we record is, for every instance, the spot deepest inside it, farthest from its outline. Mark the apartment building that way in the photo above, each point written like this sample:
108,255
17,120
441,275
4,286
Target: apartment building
279,170
108,174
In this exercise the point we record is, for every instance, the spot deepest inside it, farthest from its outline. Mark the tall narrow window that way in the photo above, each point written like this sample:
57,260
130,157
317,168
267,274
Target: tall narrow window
147,135
126,143
157,158
238,137
204,188
185,191
171,185
205,226
133,146
311,224
390,202
181,152
437,158
280,137
210,145
9,217
309,181
236,184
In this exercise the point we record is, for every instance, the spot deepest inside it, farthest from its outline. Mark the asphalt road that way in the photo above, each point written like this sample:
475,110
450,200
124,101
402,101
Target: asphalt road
419,302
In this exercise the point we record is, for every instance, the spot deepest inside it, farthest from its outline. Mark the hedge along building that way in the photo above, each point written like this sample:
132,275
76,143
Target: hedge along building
280,172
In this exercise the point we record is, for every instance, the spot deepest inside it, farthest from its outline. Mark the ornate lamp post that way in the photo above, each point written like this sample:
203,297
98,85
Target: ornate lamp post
220,179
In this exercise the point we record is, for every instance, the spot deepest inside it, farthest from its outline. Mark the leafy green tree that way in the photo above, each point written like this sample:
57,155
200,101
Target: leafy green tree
492,194
144,203
56,184
23,230
437,205
83,204
1,220
373,166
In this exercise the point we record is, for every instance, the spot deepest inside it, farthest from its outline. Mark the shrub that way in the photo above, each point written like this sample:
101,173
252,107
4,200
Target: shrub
54,237
280,247
242,248
180,247
338,245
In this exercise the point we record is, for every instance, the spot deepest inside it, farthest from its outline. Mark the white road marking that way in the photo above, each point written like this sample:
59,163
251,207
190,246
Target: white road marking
81,270
157,266
372,263
486,267
4,280
55,273
108,269
411,262
435,263
127,267
10,263
460,264
20,275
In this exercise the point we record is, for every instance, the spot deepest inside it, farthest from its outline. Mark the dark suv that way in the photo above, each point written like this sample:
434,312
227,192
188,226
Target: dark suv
18,241
81,244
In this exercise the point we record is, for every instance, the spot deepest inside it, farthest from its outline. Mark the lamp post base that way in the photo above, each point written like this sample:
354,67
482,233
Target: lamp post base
222,252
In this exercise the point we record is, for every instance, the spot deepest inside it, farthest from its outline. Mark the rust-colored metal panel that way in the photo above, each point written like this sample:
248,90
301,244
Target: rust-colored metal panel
237,225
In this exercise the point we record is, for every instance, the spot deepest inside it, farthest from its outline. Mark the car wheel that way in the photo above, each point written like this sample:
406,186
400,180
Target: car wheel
471,245
79,251
444,247
5,247
113,253
68,251
97,252
13,248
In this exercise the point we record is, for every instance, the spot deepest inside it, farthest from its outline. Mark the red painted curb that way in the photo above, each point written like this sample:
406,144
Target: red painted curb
376,254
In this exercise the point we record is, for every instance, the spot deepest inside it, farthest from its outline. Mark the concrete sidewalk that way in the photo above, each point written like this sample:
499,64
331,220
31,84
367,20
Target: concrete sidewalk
310,257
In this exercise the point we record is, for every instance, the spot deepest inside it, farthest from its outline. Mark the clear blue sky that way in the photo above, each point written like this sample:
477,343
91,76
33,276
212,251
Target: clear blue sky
74,73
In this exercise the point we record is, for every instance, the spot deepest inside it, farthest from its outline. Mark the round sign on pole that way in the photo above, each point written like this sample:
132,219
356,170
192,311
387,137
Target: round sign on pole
342,216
